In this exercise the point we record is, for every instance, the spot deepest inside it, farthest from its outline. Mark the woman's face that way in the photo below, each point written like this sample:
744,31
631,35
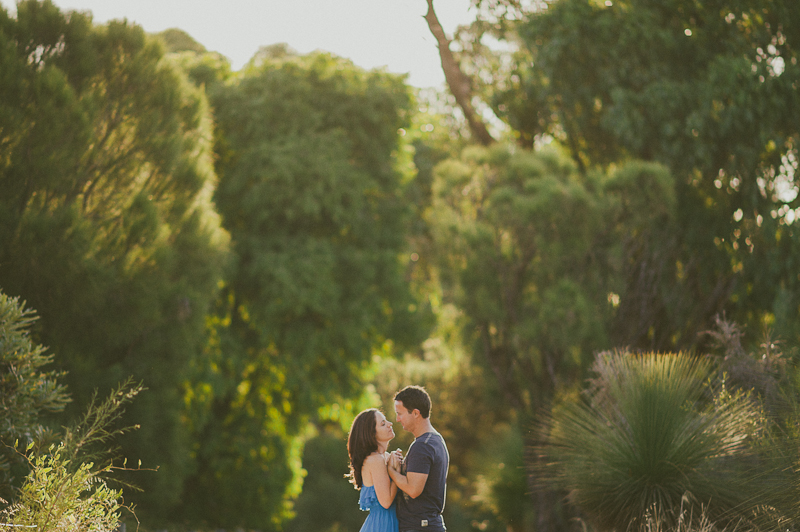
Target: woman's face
383,428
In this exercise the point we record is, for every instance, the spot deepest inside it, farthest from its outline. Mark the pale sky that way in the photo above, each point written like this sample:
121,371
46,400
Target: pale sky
371,33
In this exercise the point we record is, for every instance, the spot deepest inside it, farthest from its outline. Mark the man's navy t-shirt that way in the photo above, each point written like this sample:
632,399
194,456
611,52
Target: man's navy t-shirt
428,454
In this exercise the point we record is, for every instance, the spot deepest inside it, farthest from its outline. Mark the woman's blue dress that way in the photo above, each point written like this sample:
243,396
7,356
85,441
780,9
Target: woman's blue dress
380,519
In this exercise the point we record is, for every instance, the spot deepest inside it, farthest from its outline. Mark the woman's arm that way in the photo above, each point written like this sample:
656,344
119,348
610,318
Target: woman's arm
392,486
385,489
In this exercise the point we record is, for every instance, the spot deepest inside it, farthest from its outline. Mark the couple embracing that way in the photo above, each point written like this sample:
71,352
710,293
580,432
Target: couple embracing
401,494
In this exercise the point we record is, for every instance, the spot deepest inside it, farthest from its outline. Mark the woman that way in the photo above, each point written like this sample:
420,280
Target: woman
367,443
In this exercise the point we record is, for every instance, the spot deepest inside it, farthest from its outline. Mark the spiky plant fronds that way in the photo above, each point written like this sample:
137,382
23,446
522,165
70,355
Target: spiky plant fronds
651,432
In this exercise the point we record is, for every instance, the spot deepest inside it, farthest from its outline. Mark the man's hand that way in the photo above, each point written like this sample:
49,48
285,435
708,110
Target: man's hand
395,459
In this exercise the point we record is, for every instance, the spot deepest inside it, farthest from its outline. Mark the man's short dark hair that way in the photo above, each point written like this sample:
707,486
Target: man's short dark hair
415,398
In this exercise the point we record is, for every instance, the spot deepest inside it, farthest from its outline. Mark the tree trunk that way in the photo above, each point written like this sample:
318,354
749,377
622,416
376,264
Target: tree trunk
458,83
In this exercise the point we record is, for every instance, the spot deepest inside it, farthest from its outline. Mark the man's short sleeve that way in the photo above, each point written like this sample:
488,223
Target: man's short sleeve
420,460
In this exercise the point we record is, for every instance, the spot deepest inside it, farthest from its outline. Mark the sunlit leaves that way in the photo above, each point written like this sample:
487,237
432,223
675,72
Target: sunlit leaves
517,230
310,189
708,90
106,221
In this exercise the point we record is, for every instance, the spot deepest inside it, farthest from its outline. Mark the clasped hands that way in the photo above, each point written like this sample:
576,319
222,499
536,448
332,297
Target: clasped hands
396,459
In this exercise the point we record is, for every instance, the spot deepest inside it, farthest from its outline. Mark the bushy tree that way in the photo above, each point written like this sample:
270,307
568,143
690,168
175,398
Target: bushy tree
106,220
63,474
68,484
708,90
535,255
310,185
60,496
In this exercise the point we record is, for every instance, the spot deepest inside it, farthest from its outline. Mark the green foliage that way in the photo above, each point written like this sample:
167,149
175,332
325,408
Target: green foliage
65,490
310,190
342,250
709,91
106,222
326,503
57,497
650,435
206,69
28,391
524,237
177,40
537,257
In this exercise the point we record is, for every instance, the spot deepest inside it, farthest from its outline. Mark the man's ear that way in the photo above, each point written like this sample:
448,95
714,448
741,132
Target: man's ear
416,412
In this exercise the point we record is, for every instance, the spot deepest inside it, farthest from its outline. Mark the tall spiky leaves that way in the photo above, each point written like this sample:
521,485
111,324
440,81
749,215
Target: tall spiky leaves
651,434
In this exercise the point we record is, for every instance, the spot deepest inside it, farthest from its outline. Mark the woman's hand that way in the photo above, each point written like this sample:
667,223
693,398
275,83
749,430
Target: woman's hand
378,471
395,459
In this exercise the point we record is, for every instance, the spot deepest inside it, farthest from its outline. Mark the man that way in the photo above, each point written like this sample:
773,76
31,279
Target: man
424,484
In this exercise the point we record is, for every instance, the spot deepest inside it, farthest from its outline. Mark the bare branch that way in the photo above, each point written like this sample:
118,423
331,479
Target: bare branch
458,83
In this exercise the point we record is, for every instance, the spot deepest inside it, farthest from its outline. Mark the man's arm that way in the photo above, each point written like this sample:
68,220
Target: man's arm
412,483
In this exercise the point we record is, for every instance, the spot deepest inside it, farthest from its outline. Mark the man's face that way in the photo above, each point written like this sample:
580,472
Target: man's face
404,417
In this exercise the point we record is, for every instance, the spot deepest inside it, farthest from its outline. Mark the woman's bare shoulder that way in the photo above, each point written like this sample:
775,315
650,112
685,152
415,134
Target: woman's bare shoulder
375,459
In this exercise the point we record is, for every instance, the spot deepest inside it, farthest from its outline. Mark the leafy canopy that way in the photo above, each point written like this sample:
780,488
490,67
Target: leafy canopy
106,221
310,188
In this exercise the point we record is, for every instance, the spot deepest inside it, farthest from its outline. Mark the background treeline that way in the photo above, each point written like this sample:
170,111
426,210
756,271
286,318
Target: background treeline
273,249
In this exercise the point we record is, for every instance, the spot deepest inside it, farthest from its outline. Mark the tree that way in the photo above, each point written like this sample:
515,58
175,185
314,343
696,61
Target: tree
671,83
176,40
67,487
536,256
311,177
106,220
531,246
708,90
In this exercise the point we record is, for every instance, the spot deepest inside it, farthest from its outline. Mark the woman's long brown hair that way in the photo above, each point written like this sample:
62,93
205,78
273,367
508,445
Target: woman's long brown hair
361,442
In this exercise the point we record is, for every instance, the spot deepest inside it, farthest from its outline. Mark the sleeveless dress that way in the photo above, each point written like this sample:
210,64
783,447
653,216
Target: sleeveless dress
380,519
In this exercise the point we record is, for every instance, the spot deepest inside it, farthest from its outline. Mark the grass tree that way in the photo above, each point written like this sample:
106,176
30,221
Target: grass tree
653,435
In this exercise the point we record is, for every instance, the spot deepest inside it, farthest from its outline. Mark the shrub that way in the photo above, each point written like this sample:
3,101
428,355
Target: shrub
64,489
27,391
653,434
